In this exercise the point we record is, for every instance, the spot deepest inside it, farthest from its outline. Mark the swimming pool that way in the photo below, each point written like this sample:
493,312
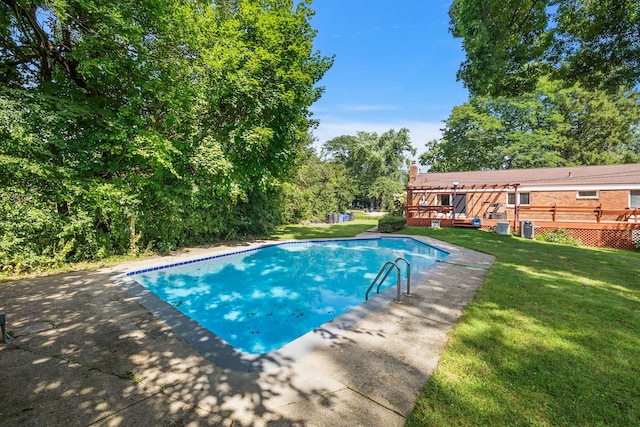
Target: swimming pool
258,300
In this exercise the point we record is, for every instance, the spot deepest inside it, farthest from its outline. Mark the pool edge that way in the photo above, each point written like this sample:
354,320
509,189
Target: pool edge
222,354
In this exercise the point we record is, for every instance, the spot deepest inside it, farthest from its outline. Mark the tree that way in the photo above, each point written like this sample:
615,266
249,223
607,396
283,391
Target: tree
174,121
378,164
503,41
320,187
510,45
552,126
597,43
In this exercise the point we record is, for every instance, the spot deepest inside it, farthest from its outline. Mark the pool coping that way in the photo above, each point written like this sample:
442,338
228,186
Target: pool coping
222,354
85,352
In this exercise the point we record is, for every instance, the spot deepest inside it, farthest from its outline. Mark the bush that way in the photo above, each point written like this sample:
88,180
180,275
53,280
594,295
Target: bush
562,237
389,224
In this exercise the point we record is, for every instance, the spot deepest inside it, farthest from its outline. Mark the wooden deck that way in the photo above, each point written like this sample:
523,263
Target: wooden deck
597,212
594,231
585,217
491,223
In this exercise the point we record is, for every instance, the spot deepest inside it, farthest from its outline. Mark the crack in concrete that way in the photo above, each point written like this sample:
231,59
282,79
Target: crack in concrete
376,402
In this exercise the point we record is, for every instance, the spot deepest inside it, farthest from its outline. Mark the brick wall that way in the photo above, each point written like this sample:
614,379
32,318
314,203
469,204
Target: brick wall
608,199
478,203
618,199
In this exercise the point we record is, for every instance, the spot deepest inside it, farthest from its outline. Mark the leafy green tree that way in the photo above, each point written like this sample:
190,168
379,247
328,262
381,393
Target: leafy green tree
320,187
597,43
378,164
503,42
159,122
510,44
552,126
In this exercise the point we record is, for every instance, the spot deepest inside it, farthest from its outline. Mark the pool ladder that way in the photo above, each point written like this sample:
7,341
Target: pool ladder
386,269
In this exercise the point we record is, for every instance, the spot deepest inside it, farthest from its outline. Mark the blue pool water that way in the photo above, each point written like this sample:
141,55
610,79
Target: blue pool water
261,299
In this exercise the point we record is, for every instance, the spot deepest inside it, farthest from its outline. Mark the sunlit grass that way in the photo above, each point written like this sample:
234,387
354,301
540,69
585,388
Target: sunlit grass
341,229
551,338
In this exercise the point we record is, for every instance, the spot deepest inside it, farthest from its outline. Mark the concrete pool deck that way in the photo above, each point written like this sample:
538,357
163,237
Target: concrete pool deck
85,352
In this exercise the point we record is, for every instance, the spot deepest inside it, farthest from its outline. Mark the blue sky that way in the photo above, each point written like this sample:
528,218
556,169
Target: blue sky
395,66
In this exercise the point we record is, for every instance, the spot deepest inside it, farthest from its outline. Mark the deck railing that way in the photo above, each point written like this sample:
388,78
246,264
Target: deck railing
593,225
623,215
557,212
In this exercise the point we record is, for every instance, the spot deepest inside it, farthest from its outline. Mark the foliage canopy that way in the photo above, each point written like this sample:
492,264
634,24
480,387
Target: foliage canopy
377,163
551,85
511,44
551,126
155,123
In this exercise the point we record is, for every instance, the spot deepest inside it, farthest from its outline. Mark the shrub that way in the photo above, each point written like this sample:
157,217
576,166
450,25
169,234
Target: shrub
389,224
562,237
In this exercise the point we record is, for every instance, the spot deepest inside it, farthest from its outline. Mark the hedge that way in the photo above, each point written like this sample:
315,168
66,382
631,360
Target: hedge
389,224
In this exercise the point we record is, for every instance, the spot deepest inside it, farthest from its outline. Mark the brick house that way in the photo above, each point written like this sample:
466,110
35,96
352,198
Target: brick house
603,200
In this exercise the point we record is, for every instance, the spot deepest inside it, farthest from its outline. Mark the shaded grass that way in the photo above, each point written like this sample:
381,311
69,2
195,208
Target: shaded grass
552,337
69,267
361,223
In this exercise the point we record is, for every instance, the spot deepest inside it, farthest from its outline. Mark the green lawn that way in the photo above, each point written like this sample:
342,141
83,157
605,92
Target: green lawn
342,229
551,338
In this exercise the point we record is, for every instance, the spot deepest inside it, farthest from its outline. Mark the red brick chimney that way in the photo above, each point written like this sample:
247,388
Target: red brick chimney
413,172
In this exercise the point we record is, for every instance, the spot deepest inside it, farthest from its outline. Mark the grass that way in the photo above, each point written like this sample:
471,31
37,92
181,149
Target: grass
361,223
66,268
342,229
551,338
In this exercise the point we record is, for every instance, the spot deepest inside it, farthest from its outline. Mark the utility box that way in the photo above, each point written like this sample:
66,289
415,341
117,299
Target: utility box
435,223
527,229
503,228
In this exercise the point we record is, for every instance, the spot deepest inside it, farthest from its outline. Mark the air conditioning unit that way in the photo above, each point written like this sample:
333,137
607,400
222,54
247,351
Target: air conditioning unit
527,229
435,223
503,228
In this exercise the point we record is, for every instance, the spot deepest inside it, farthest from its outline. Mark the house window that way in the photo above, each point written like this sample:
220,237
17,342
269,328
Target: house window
443,199
523,199
634,199
590,194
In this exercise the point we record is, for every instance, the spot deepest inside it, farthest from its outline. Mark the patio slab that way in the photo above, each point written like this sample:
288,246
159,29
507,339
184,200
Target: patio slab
85,352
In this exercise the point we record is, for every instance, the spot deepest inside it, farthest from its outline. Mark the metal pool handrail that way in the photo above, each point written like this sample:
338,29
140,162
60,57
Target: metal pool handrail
408,293
391,265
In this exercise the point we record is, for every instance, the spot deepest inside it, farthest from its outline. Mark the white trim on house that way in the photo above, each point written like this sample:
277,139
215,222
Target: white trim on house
526,188
580,187
596,196
629,204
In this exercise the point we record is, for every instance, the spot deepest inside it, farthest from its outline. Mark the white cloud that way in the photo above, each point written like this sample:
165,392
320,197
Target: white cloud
419,132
